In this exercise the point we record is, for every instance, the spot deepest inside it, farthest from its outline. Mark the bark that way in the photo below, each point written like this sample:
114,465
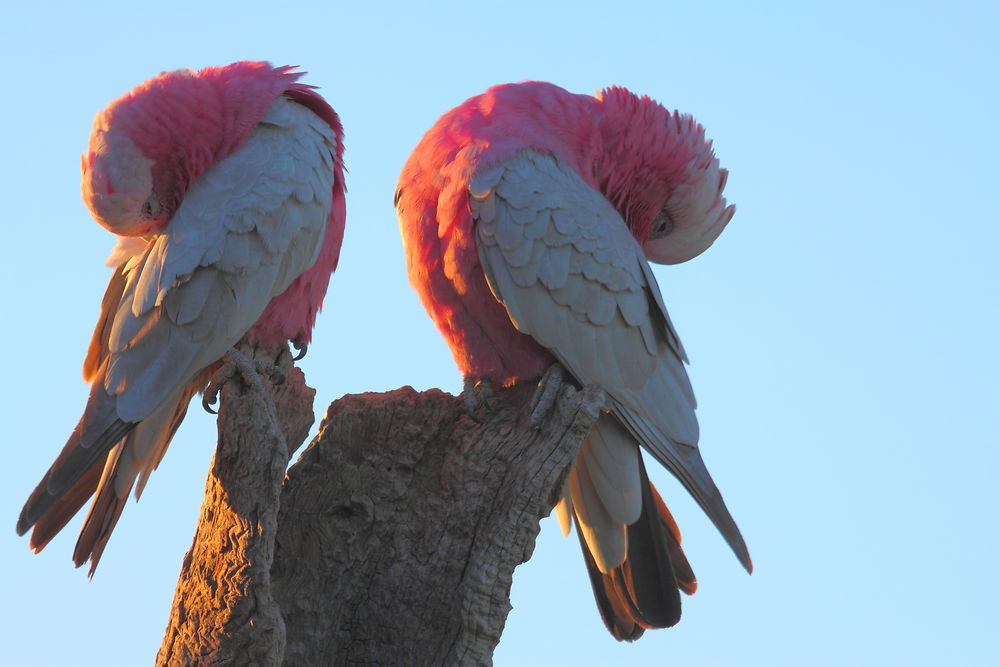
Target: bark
223,611
397,535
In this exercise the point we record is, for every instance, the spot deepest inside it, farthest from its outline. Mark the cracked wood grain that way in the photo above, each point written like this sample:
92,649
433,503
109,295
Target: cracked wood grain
224,612
397,533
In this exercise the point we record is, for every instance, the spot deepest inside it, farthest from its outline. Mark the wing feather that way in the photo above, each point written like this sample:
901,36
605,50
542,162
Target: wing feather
97,353
619,334
246,229
205,281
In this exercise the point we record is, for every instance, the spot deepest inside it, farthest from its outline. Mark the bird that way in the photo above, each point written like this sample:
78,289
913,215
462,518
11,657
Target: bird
225,188
529,216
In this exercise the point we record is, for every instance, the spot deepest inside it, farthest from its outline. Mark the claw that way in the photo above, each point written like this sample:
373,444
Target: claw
545,395
211,394
301,348
210,398
250,369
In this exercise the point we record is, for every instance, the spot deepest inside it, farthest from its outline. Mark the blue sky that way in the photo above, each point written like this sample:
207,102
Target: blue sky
842,331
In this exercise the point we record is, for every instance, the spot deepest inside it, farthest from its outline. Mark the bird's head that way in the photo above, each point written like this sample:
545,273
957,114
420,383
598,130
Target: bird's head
661,174
148,146
118,182
141,152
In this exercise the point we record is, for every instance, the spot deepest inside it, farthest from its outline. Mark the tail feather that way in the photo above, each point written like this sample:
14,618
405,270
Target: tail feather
163,432
614,609
686,580
64,509
643,591
109,467
97,432
606,538
135,457
104,512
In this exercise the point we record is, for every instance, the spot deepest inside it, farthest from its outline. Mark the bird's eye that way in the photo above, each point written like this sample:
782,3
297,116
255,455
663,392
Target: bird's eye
662,225
151,207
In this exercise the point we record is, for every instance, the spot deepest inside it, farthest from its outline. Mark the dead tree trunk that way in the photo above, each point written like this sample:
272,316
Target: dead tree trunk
396,539
224,611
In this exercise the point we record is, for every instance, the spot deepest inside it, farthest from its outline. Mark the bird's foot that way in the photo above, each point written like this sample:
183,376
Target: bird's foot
476,392
211,394
267,367
301,348
545,395
250,369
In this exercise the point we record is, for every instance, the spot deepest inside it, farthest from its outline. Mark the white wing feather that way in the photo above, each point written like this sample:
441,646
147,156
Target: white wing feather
572,276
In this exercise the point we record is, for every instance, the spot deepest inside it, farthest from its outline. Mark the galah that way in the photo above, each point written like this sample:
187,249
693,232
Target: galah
529,215
225,187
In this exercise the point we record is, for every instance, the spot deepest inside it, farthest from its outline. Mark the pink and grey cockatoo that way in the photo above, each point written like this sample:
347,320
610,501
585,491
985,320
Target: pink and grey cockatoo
528,215
226,188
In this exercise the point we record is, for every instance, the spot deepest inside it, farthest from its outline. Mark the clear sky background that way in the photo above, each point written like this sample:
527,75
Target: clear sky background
843,331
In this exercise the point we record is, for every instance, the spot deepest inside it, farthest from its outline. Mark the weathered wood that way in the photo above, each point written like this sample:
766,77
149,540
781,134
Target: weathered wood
398,532
223,611
402,523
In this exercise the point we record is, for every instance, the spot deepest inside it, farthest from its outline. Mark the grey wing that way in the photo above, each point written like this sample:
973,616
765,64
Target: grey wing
563,263
246,229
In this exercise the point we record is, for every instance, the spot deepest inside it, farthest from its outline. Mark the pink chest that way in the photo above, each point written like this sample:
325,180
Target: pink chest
445,271
436,221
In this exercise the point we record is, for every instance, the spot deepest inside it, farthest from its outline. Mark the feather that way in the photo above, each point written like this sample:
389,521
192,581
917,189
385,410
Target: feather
613,464
651,392
98,351
97,432
58,514
560,193
553,272
564,514
103,515
642,591
604,536
217,292
220,259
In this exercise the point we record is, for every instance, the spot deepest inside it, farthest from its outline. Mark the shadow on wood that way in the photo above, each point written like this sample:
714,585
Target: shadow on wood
398,531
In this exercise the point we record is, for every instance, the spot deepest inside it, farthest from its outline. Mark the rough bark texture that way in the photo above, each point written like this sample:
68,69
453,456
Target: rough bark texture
402,523
398,532
223,611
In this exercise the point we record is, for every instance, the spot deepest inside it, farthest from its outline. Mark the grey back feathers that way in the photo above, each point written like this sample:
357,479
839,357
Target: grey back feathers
571,275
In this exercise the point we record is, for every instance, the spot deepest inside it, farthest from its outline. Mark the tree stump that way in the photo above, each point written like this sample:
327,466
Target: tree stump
223,611
396,538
